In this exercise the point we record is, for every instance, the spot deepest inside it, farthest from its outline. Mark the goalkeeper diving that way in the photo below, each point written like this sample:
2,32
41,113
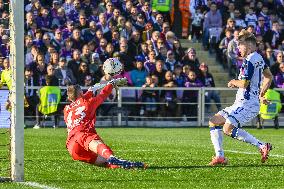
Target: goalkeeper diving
83,142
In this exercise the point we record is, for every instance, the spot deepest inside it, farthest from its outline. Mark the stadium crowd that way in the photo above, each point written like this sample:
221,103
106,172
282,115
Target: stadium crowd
68,41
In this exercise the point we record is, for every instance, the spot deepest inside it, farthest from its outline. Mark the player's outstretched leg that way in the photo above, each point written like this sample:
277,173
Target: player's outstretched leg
216,134
242,135
125,164
264,151
112,162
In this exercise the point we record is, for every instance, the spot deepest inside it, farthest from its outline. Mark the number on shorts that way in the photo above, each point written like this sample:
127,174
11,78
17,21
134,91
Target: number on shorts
238,110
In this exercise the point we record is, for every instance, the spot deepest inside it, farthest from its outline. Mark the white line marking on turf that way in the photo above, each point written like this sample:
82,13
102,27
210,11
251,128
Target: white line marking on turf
239,152
37,185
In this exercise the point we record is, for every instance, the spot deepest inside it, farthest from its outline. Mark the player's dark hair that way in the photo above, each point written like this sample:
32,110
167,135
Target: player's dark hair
73,92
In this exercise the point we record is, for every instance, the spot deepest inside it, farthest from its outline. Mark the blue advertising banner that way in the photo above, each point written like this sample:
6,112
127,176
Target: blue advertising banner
4,114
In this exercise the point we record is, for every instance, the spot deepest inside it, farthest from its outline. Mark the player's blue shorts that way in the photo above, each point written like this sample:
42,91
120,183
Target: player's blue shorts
241,112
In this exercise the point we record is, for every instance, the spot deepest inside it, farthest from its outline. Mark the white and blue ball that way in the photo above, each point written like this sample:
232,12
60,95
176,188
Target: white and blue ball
112,66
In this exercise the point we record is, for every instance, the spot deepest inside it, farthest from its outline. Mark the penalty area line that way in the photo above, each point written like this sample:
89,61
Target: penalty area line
37,185
240,152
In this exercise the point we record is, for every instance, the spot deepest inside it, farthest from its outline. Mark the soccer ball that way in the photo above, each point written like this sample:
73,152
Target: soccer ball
112,66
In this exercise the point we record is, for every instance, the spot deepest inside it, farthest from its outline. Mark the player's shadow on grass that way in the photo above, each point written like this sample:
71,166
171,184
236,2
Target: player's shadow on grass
210,167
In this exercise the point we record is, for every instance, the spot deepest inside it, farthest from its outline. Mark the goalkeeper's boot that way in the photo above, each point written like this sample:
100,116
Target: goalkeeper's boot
119,162
138,165
110,166
264,150
218,161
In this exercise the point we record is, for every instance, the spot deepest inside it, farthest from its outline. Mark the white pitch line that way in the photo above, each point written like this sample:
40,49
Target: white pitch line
37,185
239,152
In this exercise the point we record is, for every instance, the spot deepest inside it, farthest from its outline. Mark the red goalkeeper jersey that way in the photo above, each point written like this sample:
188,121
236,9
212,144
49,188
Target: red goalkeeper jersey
80,115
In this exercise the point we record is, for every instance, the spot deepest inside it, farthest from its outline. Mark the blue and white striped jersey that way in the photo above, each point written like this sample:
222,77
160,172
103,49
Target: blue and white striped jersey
251,70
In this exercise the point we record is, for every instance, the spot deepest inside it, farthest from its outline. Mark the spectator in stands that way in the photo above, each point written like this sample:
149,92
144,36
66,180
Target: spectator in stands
74,63
154,39
264,14
140,23
90,32
179,79
109,50
134,44
86,55
191,96
165,30
143,56
59,19
37,40
232,54
101,50
54,58
150,63
251,18
68,30
83,23
185,70
208,81
50,49
44,20
138,75
223,46
64,74
160,43
50,73
279,59
28,43
149,96
239,21
170,38
159,72
147,32
29,21
95,63
197,24
213,19
171,108
125,57
162,53
88,81
83,71
78,42
273,38
268,57
177,48
30,57
191,59
57,41
261,28
171,62
39,68
279,77
30,94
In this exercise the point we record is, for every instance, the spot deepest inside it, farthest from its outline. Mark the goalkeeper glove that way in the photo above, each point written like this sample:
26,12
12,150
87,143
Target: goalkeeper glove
118,82
96,88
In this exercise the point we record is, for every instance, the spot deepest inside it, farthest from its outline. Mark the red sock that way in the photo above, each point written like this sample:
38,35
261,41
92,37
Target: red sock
104,151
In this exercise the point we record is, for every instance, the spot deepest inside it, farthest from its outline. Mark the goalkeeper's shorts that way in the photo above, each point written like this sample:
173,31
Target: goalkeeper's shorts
78,147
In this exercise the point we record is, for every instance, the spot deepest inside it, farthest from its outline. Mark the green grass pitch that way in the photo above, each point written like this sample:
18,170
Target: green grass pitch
177,158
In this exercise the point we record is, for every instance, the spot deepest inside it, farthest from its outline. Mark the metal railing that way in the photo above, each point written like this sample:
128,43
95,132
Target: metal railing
202,116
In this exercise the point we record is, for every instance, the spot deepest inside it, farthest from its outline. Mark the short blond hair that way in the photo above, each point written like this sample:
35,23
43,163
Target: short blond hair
247,37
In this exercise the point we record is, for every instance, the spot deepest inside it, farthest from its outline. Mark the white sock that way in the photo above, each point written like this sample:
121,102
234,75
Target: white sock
244,136
217,140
